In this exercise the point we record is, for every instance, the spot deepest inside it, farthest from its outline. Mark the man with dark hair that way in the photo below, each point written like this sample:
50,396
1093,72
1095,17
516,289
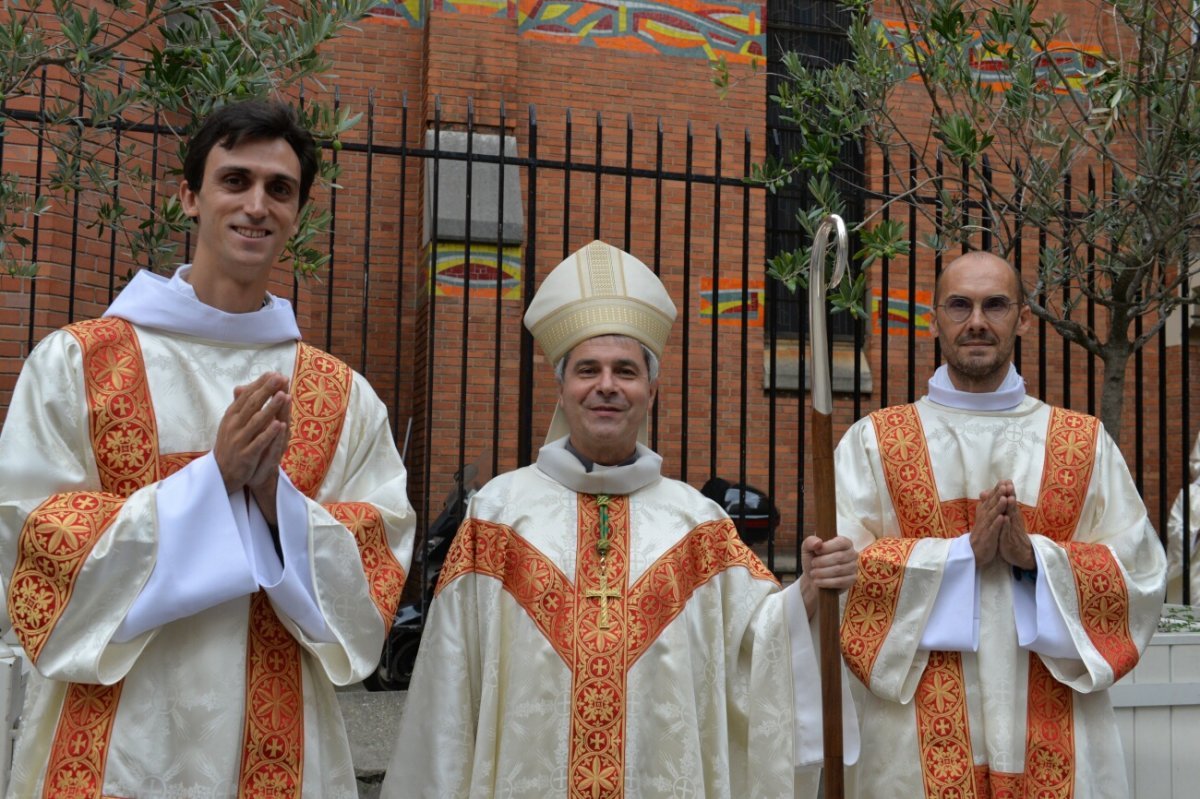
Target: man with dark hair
204,524
1008,573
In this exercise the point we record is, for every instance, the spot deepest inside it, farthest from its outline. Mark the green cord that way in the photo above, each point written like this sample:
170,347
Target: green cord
603,544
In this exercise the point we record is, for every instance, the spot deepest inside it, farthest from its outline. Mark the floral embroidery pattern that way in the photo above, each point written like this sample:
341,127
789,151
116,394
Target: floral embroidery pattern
600,658
121,418
385,577
78,754
273,737
55,541
941,706
320,395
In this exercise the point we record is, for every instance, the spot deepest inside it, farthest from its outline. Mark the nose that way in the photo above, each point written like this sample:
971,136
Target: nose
977,319
606,384
255,201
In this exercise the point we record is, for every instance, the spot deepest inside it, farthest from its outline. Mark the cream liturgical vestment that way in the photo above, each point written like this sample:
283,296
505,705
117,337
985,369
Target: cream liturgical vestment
990,682
179,650
675,667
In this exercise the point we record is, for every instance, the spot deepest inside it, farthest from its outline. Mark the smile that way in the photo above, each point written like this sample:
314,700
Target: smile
251,233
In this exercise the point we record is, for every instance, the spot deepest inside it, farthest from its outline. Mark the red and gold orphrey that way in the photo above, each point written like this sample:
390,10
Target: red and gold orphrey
940,705
61,532
599,658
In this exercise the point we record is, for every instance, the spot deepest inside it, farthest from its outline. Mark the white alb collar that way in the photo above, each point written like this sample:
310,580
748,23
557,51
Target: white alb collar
1009,395
171,305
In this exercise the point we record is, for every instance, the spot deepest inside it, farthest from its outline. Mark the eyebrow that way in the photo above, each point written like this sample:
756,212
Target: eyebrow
235,169
596,361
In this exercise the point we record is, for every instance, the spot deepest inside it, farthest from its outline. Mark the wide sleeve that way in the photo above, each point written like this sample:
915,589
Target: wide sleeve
1108,581
357,532
898,580
435,749
72,556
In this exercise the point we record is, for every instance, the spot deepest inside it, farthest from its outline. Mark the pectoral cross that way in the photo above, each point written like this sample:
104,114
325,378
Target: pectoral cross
604,594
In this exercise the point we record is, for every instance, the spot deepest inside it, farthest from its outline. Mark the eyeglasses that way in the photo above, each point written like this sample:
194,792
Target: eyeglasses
959,309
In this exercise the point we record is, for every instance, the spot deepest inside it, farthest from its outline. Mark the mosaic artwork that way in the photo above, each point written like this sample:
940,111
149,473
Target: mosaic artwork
1077,64
682,28
897,311
727,304
451,272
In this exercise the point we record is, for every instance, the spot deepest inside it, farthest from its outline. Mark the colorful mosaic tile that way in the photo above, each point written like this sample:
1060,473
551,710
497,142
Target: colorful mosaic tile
897,311
728,305
682,28
407,13
452,270
1077,64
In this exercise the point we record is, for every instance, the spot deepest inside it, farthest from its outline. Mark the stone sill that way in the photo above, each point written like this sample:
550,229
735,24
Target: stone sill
841,368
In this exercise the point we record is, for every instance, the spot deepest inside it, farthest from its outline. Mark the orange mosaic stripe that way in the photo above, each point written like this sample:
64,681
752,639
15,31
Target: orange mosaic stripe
1004,785
1103,604
79,753
273,735
909,473
871,605
538,586
320,396
54,542
1066,473
943,722
1049,738
385,575
662,592
599,659
943,729
120,414
273,738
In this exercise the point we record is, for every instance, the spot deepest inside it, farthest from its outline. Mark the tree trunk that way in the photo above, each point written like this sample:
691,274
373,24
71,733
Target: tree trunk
1112,397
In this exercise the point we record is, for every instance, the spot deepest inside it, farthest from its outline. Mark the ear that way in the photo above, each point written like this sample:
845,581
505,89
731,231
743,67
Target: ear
653,394
189,201
1024,319
933,323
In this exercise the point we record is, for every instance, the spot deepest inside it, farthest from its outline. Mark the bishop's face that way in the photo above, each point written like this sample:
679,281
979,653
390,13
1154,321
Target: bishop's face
605,395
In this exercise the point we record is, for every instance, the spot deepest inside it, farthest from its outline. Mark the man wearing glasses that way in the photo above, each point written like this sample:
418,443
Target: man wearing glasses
1008,573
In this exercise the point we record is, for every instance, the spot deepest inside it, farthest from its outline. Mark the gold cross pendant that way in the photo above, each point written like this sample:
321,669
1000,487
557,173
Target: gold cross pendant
604,594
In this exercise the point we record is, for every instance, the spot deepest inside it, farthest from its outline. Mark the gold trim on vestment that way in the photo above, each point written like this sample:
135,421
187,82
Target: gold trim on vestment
599,659
385,575
940,706
79,753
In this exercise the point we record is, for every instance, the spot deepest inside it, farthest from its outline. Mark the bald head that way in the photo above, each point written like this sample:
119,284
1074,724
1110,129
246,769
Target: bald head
985,261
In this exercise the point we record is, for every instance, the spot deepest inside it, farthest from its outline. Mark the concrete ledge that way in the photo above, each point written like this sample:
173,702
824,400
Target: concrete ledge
841,372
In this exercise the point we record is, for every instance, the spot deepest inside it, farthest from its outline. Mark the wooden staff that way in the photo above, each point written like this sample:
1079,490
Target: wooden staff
823,485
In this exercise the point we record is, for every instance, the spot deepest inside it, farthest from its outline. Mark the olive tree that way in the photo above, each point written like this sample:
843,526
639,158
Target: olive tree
1023,140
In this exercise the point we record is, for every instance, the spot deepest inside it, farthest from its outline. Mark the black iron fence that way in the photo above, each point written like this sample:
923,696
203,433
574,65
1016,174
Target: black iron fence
442,223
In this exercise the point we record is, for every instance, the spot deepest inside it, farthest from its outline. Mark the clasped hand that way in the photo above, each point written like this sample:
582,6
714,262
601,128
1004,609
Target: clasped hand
252,437
1000,529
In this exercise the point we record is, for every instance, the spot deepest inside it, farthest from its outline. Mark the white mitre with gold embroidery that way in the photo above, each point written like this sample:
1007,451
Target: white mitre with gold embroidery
598,290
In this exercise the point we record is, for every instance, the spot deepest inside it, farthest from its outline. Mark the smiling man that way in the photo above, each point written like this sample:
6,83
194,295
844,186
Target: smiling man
599,630
1008,574
203,521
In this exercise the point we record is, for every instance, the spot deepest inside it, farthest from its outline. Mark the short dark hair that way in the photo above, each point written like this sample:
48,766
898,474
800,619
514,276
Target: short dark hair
251,120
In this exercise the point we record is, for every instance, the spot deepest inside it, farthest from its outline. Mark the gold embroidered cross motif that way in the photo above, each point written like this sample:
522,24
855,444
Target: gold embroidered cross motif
603,544
604,593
